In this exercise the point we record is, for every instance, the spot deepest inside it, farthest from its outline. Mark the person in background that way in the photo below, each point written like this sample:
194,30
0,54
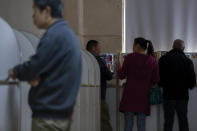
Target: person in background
177,76
94,48
140,69
54,71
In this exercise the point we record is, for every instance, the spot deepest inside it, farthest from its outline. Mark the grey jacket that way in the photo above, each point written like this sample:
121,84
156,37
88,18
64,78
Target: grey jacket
58,63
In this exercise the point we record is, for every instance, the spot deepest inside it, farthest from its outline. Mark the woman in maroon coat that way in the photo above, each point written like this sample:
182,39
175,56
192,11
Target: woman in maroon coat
141,71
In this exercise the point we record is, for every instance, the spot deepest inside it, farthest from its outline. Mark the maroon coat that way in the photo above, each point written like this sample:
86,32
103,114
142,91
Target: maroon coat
140,72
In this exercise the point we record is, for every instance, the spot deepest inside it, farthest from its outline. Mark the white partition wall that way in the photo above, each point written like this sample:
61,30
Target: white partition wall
9,95
192,110
32,38
26,50
111,99
86,116
15,48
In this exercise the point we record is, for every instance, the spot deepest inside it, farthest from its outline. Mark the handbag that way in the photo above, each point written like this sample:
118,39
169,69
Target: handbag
155,96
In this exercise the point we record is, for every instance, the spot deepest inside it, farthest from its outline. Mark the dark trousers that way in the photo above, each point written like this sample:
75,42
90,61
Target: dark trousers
105,117
180,107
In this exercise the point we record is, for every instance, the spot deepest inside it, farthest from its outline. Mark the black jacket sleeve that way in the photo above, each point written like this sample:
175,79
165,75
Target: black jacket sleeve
106,74
162,71
191,76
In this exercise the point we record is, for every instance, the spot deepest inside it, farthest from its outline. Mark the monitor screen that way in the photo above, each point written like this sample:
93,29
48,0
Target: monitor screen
110,60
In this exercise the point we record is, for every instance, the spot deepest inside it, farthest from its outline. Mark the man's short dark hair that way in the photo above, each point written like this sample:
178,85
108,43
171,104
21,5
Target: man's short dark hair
91,44
178,44
56,6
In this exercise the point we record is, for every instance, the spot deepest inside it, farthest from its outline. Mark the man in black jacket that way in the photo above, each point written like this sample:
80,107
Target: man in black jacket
94,48
176,77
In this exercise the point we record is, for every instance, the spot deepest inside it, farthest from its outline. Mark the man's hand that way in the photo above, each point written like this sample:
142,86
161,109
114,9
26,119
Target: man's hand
11,74
34,82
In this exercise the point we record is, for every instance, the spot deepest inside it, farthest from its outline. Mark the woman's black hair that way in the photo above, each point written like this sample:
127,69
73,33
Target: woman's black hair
145,44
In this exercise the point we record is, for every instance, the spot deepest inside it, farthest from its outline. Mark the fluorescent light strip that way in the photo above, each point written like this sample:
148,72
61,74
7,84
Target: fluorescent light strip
123,26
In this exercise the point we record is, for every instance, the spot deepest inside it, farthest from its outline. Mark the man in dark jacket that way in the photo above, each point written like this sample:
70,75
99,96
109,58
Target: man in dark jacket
54,71
176,77
94,48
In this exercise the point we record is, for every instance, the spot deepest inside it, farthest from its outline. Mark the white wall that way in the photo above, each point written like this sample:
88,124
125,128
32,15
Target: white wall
161,21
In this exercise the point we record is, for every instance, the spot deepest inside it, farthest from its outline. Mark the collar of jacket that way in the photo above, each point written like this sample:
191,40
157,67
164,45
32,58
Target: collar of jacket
94,54
177,51
60,20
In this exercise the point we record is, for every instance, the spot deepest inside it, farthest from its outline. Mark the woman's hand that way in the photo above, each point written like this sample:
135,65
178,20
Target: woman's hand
117,65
